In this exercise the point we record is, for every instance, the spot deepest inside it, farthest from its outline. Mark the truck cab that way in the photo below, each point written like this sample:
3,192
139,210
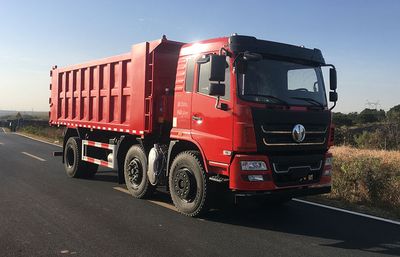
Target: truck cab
265,125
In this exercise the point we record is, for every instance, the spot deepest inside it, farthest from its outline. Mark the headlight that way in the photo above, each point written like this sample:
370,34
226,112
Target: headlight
253,165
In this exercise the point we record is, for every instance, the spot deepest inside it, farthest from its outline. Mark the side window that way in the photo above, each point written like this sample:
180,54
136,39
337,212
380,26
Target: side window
204,74
189,75
204,83
227,81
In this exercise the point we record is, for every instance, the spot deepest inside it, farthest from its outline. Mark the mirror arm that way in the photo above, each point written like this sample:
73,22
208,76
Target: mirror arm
333,67
329,65
217,103
334,104
227,53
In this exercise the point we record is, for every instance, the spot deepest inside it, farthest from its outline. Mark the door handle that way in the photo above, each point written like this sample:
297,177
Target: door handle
197,118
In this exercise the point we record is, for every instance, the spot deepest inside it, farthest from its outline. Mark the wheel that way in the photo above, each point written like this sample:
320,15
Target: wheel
74,166
188,184
135,173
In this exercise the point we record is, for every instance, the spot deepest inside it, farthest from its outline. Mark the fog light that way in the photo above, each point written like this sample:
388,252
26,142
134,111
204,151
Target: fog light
253,165
255,178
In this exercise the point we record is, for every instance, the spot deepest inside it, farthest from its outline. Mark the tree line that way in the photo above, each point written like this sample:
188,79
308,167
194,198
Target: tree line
373,129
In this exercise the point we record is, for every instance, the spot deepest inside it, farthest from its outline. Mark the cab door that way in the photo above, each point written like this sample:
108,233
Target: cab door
212,127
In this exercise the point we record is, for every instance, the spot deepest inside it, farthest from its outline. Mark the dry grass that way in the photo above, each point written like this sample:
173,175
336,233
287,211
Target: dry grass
346,153
50,134
368,178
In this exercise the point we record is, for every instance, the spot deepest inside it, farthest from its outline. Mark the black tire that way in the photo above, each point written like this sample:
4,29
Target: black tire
74,166
188,184
135,173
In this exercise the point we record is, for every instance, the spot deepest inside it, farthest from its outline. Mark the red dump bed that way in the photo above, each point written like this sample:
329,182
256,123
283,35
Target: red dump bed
131,93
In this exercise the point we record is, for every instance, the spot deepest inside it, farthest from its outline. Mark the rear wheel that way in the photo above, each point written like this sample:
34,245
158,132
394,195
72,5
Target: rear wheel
188,184
74,166
135,173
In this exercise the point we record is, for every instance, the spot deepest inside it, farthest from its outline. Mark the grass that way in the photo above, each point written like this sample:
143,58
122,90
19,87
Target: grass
49,134
366,181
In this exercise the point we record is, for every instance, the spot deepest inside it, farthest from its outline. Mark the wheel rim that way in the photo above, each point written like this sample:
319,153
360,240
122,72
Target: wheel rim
135,172
70,157
185,185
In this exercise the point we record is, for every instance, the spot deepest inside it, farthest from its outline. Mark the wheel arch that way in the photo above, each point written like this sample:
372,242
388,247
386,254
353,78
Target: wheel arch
178,146
69,132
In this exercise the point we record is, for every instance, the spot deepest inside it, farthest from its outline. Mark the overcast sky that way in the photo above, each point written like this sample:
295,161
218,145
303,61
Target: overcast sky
362,38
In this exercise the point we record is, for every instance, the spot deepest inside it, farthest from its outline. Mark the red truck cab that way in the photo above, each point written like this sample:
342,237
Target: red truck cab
274,130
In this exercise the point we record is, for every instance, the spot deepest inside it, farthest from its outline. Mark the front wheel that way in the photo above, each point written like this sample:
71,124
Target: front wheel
188,184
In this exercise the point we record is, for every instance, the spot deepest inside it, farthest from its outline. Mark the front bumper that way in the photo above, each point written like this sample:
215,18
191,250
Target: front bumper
286,193
239,179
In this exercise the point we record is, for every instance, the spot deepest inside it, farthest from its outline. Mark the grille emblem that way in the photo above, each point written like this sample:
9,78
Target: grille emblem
298,133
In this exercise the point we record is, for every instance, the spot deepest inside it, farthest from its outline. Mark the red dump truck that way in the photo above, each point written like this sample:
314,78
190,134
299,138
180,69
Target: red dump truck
237,113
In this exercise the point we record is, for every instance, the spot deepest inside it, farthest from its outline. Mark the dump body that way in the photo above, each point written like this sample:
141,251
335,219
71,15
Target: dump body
126,93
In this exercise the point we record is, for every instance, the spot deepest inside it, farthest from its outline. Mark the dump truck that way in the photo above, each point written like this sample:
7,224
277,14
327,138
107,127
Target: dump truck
236,114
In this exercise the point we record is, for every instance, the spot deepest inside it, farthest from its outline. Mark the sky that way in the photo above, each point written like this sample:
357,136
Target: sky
361,38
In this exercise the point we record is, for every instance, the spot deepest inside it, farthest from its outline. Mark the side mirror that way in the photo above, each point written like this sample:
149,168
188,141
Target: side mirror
216,89
217,69
332,79
333,96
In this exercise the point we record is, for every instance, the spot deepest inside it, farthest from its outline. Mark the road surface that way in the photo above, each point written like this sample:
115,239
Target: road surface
45,213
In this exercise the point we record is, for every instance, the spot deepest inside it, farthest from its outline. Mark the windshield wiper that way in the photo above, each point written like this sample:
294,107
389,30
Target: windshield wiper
276,99
310,100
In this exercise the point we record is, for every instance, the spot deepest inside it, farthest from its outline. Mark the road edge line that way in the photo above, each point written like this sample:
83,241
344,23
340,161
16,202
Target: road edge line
35,139
347,211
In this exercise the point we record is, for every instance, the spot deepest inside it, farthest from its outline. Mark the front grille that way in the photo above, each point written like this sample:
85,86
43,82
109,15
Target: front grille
296,170
281,135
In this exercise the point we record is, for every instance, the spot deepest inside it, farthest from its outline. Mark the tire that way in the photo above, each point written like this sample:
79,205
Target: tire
135,173
74,166
188,184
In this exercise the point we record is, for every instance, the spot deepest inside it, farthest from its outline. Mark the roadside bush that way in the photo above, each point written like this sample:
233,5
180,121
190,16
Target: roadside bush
367,177
370,140
53,133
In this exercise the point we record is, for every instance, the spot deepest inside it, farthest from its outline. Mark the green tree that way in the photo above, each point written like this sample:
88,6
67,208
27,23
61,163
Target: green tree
371,115
341,119
393,114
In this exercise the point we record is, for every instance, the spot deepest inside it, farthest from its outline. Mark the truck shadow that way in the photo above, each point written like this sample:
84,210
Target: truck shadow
340,230
345,230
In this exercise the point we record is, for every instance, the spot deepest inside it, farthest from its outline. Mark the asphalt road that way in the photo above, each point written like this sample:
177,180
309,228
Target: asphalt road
45,213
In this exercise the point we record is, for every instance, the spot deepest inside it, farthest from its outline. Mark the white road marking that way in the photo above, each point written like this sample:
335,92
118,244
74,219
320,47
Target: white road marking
165,205
5,132
33,156
1,143
349,212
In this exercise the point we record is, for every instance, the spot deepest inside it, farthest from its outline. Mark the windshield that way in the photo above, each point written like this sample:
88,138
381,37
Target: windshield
281,82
